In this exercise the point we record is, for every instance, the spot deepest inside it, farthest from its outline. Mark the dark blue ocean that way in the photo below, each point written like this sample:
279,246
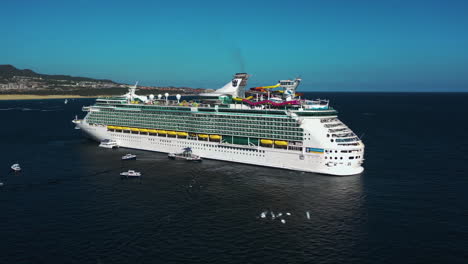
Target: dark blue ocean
69,204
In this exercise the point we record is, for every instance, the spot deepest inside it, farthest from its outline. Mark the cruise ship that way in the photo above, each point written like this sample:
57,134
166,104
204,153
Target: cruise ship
268,126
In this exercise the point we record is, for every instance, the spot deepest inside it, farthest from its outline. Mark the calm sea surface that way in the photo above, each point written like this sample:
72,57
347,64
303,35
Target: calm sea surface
69,205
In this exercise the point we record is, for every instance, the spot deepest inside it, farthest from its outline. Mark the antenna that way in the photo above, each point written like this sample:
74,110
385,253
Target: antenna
167,97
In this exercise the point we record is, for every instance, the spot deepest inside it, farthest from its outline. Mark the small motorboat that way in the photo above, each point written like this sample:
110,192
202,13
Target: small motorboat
16,167
185,155
66,101
130,173
76,121
109,143
129,157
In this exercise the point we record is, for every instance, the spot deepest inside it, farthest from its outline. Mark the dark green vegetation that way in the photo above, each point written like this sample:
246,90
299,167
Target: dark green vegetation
8,72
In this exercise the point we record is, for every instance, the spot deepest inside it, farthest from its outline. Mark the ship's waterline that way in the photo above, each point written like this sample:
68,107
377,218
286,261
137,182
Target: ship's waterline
276,131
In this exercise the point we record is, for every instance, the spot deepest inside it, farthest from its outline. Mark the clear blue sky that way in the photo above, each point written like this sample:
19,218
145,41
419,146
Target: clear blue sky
349,45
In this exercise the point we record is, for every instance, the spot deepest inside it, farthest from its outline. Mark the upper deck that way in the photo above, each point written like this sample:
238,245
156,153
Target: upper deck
231,99
218,106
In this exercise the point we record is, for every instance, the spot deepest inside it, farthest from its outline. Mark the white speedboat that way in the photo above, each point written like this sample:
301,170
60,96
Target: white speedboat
109,143
185,155
66,101
16,167
76,121
129,157
130,173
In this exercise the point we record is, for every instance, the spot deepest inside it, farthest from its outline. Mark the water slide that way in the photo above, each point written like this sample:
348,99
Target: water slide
293,102
268,87
262,88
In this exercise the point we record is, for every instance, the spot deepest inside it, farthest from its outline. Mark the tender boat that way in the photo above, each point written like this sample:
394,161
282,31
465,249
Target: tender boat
129,157
130,173
108,143
185,155
16,167
76,121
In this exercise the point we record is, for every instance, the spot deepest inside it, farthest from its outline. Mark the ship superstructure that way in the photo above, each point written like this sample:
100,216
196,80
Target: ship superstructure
261,126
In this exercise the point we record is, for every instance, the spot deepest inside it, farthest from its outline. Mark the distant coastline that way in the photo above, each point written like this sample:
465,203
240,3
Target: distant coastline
16,84
4,97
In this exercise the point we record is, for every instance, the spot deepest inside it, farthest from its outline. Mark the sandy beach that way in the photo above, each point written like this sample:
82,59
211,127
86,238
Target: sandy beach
39,97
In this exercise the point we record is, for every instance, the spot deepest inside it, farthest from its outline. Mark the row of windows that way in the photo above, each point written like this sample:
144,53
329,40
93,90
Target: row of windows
342,135
187,125
342,151
295,148
334,125
328,120
231,115
347,139
241,133
194,121
351,157
190,126
199,118
217,148
345,129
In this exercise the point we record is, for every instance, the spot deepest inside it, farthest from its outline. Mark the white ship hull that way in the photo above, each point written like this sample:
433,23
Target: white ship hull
261,156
